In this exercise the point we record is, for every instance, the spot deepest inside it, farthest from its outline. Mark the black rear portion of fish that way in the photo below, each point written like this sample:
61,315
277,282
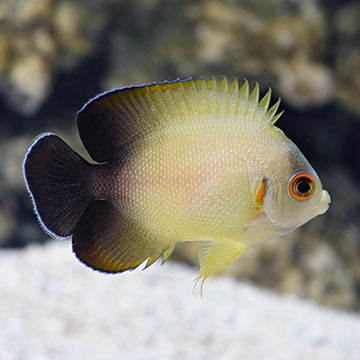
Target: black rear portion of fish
105,128
58,180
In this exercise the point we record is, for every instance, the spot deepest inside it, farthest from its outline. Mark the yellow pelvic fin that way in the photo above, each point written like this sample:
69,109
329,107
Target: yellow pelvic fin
215,256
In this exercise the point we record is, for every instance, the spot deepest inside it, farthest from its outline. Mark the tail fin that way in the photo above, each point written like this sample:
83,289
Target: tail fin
57,179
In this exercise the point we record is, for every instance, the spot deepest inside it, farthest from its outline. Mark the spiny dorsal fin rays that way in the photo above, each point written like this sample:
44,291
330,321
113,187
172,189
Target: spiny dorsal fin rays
276,117
264,104
111,122
187,104
243,98
253,101
194,95
173,104
212,90
162,106
202,96
223,99
259,110
233,98
271,118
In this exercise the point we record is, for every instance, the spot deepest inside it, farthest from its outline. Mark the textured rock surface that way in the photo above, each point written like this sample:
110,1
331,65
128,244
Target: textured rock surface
280,42
348,55
52,307
275,43
37,40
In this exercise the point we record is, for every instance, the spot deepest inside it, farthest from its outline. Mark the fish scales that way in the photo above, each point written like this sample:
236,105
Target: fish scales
176,161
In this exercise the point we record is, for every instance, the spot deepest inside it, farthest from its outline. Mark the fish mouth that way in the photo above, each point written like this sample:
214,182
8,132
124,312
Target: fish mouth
324,203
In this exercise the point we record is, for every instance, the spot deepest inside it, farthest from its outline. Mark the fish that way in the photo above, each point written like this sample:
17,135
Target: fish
174,161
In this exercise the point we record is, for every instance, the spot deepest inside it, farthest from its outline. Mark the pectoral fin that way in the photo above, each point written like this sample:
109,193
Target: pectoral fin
216,255
258,213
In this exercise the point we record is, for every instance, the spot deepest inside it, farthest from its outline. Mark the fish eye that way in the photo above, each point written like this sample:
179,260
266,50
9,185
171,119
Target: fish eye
301,186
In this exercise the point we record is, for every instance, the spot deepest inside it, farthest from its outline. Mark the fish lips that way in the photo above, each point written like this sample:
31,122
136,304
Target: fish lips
324,203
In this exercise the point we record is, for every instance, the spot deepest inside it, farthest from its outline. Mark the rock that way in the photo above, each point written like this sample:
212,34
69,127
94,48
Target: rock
284,44
37,39
57,308
347,57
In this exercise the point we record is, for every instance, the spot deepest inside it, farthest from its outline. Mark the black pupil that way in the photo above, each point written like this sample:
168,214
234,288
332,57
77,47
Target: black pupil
303,185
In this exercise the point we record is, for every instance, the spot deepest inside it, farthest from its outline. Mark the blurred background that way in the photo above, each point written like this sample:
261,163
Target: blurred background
56,54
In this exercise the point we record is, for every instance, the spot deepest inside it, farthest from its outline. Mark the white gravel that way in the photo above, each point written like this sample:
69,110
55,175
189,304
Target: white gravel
52,307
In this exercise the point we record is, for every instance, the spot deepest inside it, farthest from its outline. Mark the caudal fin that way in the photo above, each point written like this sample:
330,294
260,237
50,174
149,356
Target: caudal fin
57,179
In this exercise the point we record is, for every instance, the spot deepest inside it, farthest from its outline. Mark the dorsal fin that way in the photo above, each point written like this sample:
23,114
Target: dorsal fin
111,122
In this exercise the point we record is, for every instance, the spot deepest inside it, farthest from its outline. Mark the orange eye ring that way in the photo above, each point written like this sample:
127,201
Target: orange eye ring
301,186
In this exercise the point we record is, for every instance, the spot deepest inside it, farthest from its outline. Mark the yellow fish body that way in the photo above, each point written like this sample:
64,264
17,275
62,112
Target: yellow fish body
176,161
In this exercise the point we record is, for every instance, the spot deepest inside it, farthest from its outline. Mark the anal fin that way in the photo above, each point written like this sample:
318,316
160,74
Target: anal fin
216,255
108,241
165,256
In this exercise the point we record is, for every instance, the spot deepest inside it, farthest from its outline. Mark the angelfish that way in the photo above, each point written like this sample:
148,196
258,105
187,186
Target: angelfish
174,161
